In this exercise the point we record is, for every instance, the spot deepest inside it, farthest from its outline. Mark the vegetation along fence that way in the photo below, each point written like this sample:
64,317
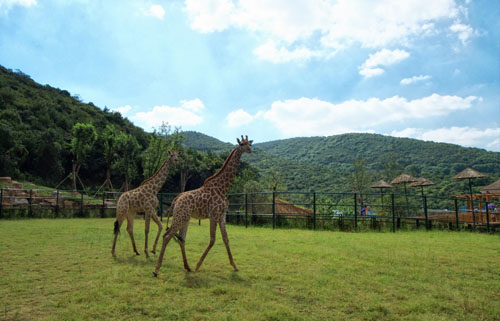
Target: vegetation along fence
317,211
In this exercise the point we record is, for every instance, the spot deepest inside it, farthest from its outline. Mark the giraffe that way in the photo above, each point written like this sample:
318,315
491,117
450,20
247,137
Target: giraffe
208,201
142,199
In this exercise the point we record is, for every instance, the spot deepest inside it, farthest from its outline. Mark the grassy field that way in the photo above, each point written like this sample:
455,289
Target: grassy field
63,270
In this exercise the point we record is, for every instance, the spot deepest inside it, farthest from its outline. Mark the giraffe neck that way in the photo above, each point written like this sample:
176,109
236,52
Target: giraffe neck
158,179
223,179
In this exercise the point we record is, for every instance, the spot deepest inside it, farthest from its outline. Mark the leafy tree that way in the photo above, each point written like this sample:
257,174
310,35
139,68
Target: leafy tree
84,137
127,148
274,180
360,178
109,141
162,140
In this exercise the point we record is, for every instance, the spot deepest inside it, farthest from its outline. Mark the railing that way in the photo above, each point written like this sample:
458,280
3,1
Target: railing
314,210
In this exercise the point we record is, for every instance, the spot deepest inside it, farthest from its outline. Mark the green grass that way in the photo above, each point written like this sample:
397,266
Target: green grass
63,270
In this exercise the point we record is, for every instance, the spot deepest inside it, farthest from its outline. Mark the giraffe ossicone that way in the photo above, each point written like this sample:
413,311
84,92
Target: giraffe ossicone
143,199
208,201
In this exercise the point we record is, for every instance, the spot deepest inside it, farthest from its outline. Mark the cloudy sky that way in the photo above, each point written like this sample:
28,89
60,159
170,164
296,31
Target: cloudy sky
271,69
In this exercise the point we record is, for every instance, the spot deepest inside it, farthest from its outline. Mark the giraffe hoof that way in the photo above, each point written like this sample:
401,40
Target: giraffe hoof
155,274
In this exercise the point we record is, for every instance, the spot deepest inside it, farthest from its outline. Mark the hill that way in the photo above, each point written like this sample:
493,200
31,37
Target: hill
326,163
36,124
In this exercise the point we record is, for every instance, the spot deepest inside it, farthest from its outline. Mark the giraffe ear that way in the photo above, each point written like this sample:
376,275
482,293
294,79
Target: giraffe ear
238,140
250,142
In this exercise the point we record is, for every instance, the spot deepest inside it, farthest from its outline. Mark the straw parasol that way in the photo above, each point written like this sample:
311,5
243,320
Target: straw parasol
493,188
381,185
421,182
404,179
470,174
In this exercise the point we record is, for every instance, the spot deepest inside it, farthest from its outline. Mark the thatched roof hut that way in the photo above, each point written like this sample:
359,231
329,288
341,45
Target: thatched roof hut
493,188
469,173
381,184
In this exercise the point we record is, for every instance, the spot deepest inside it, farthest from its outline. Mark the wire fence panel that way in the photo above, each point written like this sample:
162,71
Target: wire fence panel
309,210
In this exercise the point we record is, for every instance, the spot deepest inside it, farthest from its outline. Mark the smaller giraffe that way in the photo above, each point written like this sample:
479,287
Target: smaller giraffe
143,199
208,201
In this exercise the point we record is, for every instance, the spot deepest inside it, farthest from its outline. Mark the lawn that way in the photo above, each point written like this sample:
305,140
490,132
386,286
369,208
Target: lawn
62,269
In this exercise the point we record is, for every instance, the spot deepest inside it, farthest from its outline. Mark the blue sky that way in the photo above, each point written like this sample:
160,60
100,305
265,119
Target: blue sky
425,69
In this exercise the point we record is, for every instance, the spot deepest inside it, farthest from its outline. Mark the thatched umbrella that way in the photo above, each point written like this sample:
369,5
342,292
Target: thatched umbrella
381,185
421,182
470,174
404,179
493,188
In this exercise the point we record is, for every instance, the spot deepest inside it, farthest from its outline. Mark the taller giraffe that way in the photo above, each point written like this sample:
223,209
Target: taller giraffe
143,199
208,201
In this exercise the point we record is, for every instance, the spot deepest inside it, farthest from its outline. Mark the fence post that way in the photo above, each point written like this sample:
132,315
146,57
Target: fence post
355,212
274,209
1,201
57,203
393,214
426,214
30,202
81,204
246,210
456,212
314,210
103,203
487,218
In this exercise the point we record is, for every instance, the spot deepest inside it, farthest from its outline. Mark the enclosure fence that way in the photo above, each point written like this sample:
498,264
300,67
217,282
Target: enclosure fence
311,210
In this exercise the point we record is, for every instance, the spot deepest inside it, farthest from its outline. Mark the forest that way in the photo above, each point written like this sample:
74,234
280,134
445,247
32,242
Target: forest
52,138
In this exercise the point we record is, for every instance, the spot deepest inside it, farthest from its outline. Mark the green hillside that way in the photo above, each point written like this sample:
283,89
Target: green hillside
36,124
326,163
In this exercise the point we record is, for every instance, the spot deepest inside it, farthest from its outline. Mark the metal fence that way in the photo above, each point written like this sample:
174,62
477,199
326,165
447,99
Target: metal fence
351,211
312,210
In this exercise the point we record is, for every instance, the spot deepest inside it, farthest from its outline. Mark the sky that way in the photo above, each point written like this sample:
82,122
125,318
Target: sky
271,69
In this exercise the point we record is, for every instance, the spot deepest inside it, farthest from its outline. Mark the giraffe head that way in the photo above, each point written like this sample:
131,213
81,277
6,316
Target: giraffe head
245,144
174,156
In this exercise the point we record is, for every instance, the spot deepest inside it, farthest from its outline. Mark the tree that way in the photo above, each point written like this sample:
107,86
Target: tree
127,148
190,162
274,180
110,143
84,137
359,178
163,139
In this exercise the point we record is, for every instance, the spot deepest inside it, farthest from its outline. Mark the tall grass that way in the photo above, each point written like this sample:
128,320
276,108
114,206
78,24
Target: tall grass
63,270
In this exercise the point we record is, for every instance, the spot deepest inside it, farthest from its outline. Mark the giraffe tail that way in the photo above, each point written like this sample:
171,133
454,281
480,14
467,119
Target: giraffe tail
117,227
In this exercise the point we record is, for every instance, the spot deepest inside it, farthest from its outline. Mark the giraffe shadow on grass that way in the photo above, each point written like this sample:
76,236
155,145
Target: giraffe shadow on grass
201,280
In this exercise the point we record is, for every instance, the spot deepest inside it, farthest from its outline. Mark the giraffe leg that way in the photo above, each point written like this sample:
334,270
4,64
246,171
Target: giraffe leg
130,230
147,217
118,224
182,244
213,228
160,227
222,226
166,238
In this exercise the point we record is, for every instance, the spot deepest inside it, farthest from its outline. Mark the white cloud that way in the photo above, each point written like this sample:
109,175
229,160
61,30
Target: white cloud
384,57
326,26
414,79
195,105
123,109
464,32
488,138
188,114
269,52
306,116
6,5
238,118
209,15
371,72
156,11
